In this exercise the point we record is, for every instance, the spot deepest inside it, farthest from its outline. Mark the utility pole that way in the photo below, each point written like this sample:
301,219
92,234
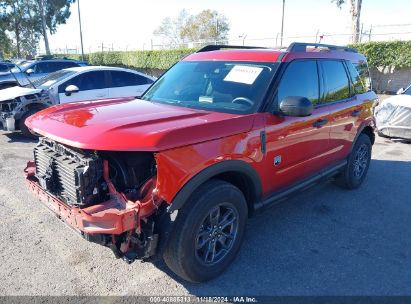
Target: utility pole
282,26
369,35
81,32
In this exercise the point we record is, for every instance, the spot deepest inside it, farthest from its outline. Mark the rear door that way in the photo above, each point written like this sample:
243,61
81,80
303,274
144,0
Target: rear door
92,85
345,108
297,147
128,84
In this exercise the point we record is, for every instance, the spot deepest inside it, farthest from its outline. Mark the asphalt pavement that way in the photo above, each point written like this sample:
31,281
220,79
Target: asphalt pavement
325,241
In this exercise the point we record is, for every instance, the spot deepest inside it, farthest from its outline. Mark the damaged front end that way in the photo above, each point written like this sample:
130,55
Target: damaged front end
109,197
12,110
8,112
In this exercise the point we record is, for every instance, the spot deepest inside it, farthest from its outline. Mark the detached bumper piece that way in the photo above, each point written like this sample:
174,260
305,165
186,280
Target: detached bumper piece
115,223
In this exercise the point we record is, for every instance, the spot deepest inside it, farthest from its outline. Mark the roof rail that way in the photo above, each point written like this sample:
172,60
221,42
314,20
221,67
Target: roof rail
302,47
212,47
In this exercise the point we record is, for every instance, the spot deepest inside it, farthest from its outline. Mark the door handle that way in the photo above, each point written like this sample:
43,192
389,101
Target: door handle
320,123
101,95
355,113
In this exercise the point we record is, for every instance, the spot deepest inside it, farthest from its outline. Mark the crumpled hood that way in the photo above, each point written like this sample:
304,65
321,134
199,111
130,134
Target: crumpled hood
134,125
14,92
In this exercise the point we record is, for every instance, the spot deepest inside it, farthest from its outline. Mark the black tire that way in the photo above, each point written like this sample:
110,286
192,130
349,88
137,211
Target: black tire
181,254
23,128
358,163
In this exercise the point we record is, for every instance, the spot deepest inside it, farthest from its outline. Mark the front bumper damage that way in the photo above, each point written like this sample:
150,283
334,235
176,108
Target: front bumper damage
127,228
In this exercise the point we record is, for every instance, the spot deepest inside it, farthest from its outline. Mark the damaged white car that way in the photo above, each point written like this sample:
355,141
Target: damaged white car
68,85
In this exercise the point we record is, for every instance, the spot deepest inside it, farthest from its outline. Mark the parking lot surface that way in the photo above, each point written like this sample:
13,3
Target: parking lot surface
325,241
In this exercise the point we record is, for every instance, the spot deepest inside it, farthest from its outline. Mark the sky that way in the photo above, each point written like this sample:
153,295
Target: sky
129,24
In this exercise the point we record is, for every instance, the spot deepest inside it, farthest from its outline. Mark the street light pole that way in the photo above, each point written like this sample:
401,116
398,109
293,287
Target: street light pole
81,32
282,25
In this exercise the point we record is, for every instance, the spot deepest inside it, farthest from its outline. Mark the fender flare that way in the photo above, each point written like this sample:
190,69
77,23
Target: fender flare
225,166
360,131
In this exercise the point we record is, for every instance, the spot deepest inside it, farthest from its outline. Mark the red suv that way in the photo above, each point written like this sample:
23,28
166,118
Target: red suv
224,132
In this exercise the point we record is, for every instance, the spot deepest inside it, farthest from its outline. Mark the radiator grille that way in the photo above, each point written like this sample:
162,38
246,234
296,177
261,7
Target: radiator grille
70,175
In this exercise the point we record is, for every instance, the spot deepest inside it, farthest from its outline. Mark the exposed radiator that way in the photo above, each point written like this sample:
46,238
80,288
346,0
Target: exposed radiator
72,176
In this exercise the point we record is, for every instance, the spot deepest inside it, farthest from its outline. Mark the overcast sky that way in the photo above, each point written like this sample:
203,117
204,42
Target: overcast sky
129,24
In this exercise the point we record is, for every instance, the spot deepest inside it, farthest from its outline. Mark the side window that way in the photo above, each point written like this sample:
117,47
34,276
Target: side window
359,86
43,67
362,69
66,65
4,68
86,81
300,79
126,79
337,85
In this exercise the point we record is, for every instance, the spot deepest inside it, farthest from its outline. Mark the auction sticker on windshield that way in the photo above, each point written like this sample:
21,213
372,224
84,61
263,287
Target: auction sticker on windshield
243,74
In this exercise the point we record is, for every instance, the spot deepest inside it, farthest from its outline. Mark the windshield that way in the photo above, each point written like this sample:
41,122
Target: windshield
22,67
232,87
49,80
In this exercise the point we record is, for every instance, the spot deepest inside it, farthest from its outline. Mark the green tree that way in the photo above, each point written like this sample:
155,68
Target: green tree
170,29
355,12
206,26
52,13
20,20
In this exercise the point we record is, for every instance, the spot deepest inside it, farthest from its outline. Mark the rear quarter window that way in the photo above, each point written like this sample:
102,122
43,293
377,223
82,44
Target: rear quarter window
363,71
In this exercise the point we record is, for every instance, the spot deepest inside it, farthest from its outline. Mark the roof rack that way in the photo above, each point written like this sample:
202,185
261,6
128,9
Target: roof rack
212,47
302,47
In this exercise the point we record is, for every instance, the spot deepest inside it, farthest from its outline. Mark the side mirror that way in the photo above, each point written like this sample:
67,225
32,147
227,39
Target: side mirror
400,91
29,72
71,89
296,106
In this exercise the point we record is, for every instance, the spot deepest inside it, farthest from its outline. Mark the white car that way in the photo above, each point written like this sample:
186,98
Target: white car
393,115
68,85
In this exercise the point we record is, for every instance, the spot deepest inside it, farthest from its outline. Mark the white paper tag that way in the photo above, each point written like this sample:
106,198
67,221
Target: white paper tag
243,74
208,99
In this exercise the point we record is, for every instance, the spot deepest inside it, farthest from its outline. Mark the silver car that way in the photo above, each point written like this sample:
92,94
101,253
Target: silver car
33,70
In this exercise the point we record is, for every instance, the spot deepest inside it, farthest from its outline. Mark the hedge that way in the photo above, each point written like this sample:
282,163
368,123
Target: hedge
379,54
159,59
384,54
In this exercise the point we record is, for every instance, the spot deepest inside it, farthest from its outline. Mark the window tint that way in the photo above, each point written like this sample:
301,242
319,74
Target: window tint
63,65
336,81
125,79
42,67
86,81
4,67
300,79
359,85
53,66
362,69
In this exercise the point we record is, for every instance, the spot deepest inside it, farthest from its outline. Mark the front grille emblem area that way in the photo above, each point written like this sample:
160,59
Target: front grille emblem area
277,160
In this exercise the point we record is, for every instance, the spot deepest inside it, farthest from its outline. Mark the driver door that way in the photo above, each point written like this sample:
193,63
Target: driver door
92,86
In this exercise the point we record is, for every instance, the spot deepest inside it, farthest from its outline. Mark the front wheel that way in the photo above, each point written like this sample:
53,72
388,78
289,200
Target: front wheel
358,163
22,124
208,232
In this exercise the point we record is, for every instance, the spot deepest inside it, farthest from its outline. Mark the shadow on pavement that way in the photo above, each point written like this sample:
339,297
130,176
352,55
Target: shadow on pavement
19,137
327,241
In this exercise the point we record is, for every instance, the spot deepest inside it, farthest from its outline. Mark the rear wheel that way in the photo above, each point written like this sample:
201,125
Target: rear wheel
358,163
23,128
208,232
